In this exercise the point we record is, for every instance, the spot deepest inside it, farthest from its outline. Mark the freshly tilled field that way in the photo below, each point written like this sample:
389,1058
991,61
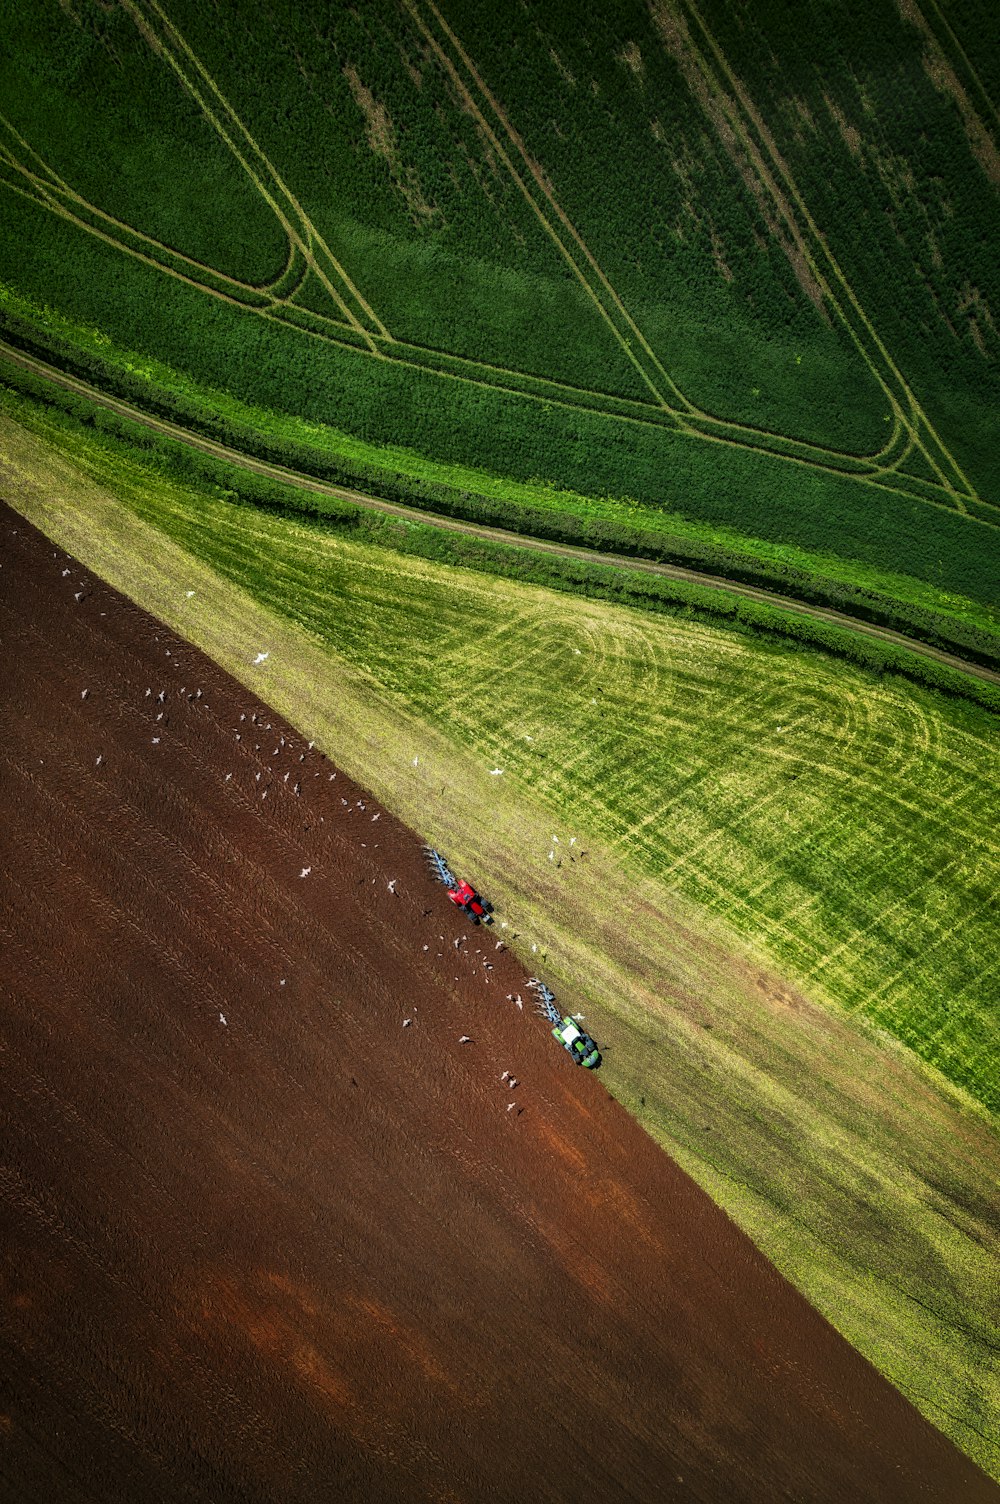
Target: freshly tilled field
263,1238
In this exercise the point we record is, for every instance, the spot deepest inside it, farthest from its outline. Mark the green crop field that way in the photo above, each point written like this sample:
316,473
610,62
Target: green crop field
680,811
709,283
711,260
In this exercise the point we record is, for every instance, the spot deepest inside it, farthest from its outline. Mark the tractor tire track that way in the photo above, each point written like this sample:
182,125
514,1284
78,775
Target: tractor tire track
497,535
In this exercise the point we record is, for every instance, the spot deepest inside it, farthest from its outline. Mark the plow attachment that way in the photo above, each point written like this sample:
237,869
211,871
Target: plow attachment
545,1001
440,867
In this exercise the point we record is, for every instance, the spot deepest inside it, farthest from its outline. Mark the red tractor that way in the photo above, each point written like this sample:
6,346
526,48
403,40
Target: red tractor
463,895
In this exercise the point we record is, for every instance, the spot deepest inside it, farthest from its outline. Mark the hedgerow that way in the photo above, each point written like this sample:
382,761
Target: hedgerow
120,437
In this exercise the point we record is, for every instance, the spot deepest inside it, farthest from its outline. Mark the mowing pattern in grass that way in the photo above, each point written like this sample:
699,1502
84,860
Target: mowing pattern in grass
587,234
869,1183
841,824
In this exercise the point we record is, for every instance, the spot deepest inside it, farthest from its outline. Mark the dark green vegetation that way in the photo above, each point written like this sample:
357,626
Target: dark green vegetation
64,418
702,262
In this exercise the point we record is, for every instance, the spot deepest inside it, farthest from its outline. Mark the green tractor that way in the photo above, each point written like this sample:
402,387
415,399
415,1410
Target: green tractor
575,1040
579,1043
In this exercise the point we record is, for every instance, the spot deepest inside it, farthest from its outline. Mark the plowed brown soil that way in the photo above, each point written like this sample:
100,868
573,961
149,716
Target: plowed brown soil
263,1242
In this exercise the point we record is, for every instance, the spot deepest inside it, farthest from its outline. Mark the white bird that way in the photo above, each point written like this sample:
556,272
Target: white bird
392,885
228,776
505,1075
65,573
407,1022
222,1018
261,658
305,871
189,593
99,759
465,1039
511,1106
282,982
155,740
415,761
519,1003
84,693
494,772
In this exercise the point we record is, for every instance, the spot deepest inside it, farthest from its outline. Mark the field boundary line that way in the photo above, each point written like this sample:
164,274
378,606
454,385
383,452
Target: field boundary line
653,418
478,530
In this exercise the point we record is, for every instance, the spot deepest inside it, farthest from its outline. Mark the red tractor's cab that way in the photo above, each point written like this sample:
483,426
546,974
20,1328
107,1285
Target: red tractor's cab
465,897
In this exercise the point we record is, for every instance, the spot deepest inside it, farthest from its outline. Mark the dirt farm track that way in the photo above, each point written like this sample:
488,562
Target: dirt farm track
258,1240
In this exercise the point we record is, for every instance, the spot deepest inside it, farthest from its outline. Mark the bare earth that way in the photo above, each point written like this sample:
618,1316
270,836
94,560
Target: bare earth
260,1241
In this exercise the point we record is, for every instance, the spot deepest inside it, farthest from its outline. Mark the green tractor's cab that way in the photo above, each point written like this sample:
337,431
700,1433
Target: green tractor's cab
579,1043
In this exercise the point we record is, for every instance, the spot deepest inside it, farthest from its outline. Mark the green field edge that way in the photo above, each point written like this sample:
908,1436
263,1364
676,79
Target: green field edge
913,609
647,584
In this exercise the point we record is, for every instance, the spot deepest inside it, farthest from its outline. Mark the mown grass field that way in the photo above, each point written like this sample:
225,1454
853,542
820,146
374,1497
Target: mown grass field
841,824
866,1178
715,263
